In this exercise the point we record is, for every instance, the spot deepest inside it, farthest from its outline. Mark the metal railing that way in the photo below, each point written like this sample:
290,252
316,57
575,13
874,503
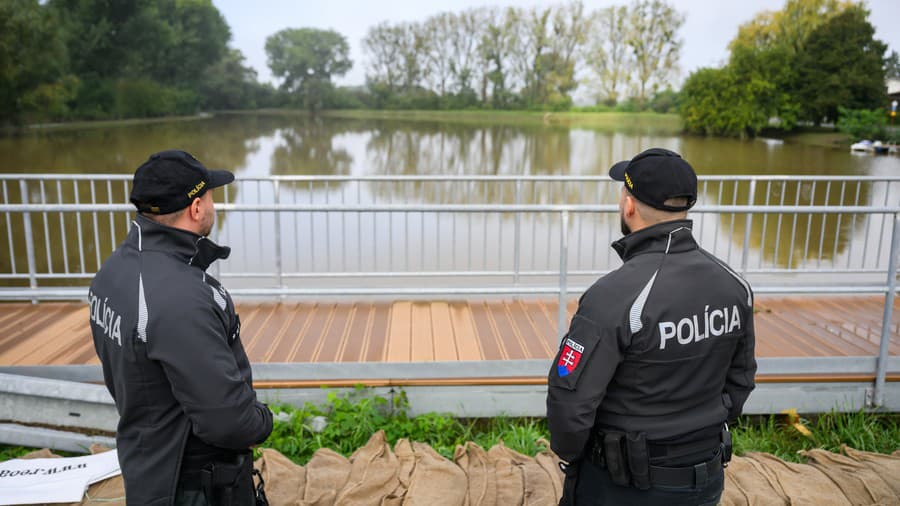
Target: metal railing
415,236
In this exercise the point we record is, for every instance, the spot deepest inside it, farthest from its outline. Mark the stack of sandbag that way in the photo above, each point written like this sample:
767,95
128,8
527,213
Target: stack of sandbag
413,474
847,479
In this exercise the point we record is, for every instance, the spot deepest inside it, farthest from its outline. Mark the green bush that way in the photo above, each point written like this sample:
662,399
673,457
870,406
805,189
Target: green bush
143,98
862,123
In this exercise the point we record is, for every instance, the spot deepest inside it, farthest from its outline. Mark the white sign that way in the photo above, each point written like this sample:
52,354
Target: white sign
34,481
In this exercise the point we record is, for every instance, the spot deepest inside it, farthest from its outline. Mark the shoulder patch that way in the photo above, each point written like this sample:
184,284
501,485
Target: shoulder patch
574,352
569,358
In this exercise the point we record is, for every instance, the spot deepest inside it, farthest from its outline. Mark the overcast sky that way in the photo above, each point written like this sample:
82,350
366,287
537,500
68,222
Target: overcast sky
709,26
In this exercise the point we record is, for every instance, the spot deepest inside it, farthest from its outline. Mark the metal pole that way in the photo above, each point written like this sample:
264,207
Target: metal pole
29,241
881,371
280,270
747,225
516,241
563,267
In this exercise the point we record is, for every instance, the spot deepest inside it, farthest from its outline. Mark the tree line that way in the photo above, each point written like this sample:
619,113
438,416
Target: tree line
803,64
97,59
518,58
94,59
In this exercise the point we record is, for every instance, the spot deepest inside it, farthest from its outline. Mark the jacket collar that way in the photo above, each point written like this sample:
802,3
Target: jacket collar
199,251
666,237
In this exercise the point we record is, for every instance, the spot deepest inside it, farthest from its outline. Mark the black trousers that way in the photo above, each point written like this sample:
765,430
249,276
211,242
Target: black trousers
595,487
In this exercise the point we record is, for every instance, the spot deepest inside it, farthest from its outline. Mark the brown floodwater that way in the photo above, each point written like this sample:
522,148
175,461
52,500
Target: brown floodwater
259,145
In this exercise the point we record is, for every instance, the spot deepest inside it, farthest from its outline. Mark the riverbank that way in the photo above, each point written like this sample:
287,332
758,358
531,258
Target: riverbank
663,124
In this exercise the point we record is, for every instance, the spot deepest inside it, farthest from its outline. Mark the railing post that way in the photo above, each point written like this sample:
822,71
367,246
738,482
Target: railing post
29,241
881,371
517,234
276,187
563,268
747,225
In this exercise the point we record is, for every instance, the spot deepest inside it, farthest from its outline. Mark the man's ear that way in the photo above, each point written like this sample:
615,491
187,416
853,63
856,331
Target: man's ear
630,207
196,209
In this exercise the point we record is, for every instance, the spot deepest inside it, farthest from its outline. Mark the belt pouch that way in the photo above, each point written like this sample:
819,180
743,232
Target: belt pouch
638,459
229,483
615,462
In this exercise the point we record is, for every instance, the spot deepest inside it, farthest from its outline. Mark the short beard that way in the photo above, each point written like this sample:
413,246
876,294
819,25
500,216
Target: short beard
623,226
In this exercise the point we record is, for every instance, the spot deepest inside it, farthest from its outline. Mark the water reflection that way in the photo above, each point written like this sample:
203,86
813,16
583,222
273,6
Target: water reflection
271,144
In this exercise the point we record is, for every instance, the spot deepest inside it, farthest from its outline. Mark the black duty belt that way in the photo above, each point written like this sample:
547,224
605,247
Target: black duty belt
696,475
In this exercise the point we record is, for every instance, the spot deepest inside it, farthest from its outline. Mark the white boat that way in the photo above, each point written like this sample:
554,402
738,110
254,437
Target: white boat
864,145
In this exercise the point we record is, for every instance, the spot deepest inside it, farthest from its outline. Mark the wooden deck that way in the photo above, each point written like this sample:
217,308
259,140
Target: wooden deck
58,333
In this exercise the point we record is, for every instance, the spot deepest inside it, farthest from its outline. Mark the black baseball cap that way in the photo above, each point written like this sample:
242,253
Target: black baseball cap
171,180
657,175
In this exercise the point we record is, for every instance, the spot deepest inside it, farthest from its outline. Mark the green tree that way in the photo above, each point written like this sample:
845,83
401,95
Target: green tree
653,39
607,56
306,59
788,27
892,66
32,54
720,102
841,64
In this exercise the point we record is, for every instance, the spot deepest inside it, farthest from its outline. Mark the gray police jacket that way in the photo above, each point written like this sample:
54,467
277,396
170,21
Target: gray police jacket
663,345
169,340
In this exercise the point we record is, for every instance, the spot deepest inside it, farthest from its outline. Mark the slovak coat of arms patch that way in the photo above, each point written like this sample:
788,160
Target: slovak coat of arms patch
569,358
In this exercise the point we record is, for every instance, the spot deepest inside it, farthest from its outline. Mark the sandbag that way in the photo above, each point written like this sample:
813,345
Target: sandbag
747,485
326,474
435,481
482,480
860,485
549,462
538,485
508,476
374,471
802,484
285,481
886,466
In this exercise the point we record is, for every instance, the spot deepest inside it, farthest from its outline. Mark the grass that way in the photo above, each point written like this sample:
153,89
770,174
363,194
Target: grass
353,418
659,123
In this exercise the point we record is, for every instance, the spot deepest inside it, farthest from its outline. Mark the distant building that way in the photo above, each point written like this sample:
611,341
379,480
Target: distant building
893,89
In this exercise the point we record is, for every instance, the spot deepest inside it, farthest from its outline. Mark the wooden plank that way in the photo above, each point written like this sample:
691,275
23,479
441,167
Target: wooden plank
330,344
318,325
270,332
823,310
825,337
535,345
290,335
468,346
12,315
79,349
399,333
358,333
342,340
51,340
421,338
26,329
302,334
545,328
490,346
445,348
254,325
376,347
507,334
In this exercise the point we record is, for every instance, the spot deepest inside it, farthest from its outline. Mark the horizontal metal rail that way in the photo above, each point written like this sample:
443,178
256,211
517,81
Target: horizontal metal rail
464,235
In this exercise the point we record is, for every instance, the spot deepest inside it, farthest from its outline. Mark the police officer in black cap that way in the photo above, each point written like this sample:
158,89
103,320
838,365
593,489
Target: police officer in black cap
658,357
169,340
